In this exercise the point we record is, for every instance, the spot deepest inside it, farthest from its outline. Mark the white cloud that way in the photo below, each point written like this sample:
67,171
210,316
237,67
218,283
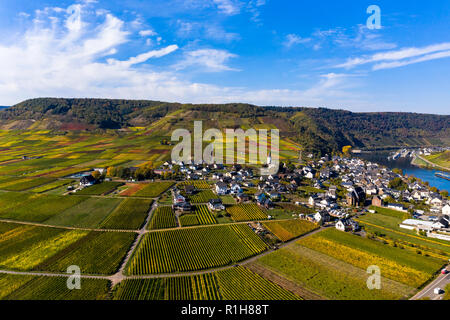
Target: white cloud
403,57
210,60
293,39
147,33
145,56
228,7
73,57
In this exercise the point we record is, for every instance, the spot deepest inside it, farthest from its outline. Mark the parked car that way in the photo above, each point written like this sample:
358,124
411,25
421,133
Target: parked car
444,271
438,291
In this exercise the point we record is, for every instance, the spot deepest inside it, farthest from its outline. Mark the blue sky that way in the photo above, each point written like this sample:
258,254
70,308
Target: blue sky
266,52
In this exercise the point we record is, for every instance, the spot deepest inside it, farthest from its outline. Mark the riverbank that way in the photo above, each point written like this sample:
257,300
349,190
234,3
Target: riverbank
426,164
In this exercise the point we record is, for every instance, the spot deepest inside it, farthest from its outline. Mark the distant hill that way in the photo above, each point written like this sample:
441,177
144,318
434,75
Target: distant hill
321,129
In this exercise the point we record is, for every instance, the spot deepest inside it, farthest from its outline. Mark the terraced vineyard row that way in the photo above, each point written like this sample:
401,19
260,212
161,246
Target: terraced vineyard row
194,249
246,212
232,284
204,215
163,217
199,184
287,230
189,220
130,214
202,197
19,287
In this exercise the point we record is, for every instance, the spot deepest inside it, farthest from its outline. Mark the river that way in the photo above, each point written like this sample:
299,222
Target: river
408,168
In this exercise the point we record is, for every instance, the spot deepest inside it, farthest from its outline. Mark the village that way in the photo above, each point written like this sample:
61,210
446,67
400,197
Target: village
331,191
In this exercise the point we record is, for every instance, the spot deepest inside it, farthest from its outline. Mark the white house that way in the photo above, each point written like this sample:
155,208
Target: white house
446,210
221,188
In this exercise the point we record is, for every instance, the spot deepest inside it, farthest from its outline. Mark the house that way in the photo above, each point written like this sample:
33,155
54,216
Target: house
377,202
446,210
235,188
396,206
322,216
274,195
221,188
182,207
242,197
347,225
216,204
87,181
189,189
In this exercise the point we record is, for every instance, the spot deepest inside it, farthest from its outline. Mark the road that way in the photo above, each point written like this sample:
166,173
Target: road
428,292
120,275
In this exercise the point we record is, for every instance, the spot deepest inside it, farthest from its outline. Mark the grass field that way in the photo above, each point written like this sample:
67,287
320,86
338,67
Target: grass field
194,249
397,264
232,284
289,229
329,277
51,186
130,214
388,227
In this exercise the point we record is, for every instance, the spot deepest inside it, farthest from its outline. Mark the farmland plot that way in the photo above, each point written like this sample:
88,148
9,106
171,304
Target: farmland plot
130,214
232,284
287,230
246,212
194,249
96,253
153,189
35,207
100,189
163,217
23,287
87,214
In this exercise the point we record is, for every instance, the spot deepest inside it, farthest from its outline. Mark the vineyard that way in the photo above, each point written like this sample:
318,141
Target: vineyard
194,249
286,230
18,287
34,207
201,216
130,214
189,220
25,184
153,189
52,185
198,184
246,212
96,253
233,284
163,217
202,196
100,189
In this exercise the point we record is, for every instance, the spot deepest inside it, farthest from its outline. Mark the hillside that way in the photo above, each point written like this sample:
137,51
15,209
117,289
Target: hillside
320,129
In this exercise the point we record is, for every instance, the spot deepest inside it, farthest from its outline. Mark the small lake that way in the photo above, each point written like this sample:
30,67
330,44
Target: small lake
408,168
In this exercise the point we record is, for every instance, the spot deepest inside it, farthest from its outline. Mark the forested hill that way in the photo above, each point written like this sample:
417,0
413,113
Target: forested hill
317,129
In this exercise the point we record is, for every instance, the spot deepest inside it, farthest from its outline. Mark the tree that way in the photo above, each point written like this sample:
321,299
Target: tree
96,174
111,171
444,193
